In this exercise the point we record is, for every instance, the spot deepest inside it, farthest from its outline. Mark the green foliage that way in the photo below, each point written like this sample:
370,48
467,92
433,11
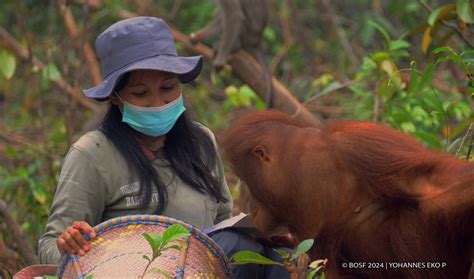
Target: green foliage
316,268
242,97
303,247
464,8
7,64
435,33
249,257
414,106
162,242
289,259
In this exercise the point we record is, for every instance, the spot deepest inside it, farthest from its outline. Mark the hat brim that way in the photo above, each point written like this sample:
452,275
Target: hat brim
187,69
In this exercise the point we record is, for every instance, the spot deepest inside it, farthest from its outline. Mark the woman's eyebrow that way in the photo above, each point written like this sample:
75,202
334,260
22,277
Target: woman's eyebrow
170,77
136,85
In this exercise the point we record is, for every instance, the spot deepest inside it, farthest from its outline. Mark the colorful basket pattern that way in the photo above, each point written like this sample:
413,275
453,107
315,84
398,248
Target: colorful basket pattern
119,247
37,270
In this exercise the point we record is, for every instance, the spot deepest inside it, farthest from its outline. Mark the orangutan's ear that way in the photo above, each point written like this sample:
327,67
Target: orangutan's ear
261,152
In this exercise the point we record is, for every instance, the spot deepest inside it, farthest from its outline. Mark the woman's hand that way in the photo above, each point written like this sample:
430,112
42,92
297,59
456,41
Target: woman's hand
72,239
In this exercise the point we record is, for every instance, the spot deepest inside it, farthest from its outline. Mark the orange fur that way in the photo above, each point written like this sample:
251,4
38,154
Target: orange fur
364,192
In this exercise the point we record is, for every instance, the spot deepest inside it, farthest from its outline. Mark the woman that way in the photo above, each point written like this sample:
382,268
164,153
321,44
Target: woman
147,157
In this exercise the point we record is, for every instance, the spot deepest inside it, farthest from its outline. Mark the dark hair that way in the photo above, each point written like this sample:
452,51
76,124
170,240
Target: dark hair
188,148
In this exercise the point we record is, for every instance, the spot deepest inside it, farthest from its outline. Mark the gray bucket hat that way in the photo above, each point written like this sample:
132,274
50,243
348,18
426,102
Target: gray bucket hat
139,43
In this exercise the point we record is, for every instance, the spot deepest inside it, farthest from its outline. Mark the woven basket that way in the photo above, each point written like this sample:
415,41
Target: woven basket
37,270
119,247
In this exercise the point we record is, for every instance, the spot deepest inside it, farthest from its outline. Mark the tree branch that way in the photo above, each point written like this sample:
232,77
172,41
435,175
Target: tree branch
18,235
452,26
288,40
83,45
249,71
29,143
340,32
12,44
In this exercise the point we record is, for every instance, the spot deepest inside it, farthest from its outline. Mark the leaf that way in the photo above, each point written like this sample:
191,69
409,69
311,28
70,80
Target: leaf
380,29
58,137
368,66
90,276
413,84
440,13
246,95
425,42
311,274
229,90
22,173
468,51
314,272
323,80
443,49
155,240
40,195
146,258
51,72
454,145
398,44
389,67
176,247
11,152
248,257
303,247
174,232
452,57
427,77
315,264
428,138
7,64
380,56
283,254
330,87
464,10
366,31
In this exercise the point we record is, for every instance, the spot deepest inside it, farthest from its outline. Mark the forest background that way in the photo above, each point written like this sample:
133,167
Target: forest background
406,63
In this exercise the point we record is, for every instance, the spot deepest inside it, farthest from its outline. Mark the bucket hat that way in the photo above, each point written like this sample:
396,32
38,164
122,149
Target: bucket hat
136,44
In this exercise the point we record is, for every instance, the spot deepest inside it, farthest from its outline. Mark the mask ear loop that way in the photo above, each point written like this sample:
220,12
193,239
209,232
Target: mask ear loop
121,100
118,96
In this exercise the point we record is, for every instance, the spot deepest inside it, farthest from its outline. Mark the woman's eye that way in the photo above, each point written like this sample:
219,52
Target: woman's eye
169,86
139,94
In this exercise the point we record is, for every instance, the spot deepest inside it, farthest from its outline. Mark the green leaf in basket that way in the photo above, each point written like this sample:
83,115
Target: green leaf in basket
176,247
174,232
247,257
155,241
146,258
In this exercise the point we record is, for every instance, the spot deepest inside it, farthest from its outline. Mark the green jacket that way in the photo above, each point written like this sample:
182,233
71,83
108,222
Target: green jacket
95,185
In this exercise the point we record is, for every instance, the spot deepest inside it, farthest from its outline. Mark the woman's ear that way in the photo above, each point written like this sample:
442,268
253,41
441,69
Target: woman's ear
114,99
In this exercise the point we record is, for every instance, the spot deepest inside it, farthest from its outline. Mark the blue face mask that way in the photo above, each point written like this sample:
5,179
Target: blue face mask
153,121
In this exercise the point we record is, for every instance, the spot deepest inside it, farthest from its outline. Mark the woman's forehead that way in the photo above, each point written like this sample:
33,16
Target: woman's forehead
140,75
